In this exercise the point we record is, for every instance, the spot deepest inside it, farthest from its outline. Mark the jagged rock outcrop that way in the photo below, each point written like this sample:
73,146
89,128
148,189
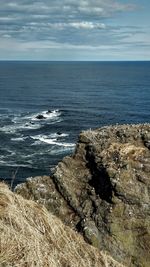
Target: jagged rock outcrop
106,184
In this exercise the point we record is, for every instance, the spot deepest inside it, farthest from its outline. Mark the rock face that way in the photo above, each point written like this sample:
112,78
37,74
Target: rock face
43,190
106,187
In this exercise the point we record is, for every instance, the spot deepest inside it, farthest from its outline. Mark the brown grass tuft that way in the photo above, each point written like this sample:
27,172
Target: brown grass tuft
30,236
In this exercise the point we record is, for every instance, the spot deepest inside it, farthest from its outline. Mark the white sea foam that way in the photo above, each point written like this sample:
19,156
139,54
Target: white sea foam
57,135
2,162
15,127
8,129
51,141
31,122
47,115
54,142
57,120
31,126
18,139
60,150
12,164
51,114
9,152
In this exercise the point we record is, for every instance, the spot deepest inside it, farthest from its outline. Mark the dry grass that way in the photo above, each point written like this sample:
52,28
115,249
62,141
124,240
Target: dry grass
30,236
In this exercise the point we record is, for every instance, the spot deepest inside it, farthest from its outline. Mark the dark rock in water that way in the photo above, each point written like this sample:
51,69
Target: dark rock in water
31,122
40,117
49,111
106,189
59,133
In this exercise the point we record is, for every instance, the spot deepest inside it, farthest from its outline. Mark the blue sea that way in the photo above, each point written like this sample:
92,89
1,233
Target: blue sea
45,105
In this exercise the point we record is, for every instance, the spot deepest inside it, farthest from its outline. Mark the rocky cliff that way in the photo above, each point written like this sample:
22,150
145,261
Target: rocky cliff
103,191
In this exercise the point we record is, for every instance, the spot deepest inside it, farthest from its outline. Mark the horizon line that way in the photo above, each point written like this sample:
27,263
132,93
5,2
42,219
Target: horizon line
44,60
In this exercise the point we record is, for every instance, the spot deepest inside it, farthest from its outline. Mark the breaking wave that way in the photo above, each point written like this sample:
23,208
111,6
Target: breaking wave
51,141
32,121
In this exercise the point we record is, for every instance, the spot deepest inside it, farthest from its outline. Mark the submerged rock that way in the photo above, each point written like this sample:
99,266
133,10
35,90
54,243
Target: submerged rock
106,185
49,111
40,117
59,133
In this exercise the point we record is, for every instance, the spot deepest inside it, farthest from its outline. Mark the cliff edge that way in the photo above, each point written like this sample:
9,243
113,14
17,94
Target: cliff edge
103,191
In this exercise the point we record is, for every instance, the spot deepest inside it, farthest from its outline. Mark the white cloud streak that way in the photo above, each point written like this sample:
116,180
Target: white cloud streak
36,25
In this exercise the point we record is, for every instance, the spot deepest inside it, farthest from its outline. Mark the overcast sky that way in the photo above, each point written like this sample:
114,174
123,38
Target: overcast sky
75,30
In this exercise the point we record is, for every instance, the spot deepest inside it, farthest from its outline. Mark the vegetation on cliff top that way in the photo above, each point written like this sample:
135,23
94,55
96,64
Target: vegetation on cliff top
31,236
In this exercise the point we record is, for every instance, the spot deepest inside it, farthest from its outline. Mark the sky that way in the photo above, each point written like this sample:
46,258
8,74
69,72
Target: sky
100,30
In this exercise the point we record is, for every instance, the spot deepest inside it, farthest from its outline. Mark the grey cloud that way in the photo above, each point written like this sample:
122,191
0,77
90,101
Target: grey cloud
75,22
72,9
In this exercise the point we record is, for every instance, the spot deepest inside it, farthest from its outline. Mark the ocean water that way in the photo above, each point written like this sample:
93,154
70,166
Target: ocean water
44,106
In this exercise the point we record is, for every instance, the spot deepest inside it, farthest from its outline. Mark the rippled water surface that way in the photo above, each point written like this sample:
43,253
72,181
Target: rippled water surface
44,106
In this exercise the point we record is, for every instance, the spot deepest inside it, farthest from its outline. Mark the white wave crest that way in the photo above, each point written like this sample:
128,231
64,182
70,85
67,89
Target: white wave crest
32,121
12,164
46,115
58,134
18,126
18,139
51,141
60,150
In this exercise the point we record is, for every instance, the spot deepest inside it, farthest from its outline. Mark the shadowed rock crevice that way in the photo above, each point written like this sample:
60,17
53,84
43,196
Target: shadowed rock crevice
100,180
146,140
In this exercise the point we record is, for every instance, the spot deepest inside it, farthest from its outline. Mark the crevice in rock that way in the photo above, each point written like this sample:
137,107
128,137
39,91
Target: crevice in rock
146,140
100,179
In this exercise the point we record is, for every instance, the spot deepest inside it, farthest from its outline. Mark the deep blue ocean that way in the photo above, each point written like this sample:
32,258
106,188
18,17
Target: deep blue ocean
44,106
